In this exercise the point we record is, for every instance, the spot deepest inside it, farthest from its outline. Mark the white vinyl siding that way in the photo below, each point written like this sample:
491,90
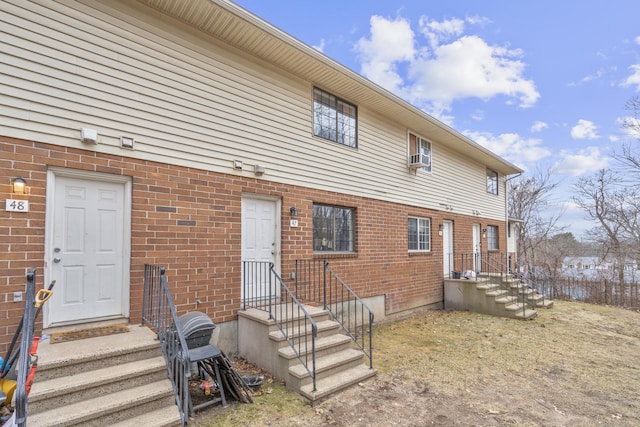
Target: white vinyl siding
190,100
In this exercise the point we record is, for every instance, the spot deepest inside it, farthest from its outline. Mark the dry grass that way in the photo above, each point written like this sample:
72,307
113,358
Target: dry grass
575,365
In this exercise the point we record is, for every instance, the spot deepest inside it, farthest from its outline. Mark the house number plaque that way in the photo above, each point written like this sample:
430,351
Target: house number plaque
13,205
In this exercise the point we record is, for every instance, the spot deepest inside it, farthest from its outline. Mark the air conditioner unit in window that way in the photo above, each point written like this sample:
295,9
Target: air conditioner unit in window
419,161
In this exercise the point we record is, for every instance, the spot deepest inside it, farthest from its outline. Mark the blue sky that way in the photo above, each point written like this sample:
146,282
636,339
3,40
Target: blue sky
541,83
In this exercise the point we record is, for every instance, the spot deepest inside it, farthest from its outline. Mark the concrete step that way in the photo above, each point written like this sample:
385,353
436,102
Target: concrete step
325,328
165,417
118,379
75,357
106,410
285,313
324,346
542,301
326,366
260,342
496,293
487,286
527,315
332,384
63,391
505,299
518,311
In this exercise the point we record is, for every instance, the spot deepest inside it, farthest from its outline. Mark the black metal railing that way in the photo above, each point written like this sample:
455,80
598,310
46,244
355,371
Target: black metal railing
498,268
317,282
159,313
265,290
24,361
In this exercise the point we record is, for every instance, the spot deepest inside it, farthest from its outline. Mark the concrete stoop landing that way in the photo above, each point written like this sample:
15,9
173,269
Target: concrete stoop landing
339,364
116,380
483,295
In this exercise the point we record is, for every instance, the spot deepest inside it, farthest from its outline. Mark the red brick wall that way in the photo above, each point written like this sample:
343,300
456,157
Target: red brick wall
189,220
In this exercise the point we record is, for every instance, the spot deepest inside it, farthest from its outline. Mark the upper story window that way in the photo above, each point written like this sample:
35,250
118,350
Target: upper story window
492,238
419,153
334,118
419,233
333,228
492,182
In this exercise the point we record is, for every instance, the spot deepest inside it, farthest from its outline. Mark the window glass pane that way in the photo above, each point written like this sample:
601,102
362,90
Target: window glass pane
492,237
413,234
419,234
333,229
425,150
492,182
423,236
334,119
344,229
322,228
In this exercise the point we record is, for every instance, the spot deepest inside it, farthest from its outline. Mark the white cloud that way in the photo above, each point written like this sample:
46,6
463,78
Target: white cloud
444,67
320,47
469,67
634,78
391,44
511,146
585,129
587,160
630,126
436,31
478,20
478,115
637,40
538,126
590,77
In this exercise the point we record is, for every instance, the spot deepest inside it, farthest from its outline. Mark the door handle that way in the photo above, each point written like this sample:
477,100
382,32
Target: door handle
57,260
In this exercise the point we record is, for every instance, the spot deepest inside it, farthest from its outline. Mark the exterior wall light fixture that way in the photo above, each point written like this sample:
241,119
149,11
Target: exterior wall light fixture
19,186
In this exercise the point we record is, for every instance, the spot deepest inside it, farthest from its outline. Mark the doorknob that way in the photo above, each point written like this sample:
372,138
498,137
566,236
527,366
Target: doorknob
57,260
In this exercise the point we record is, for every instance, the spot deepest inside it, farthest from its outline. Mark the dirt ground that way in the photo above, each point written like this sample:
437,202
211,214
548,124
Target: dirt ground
575,365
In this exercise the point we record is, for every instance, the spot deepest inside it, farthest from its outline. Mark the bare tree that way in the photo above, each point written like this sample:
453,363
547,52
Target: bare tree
630,157
530,201
603,197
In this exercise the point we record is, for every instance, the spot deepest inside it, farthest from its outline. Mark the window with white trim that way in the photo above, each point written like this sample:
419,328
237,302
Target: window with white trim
419,234
333,228
334,118
420,152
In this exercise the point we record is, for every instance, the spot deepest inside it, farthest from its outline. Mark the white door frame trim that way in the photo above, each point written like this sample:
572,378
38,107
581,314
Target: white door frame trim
278,220
52,173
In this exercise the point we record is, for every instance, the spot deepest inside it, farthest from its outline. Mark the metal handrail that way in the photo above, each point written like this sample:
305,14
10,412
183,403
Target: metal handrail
24,361
159,312
317,282
496,266
265,290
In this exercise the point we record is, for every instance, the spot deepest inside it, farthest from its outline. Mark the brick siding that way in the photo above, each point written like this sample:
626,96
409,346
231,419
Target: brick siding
189,220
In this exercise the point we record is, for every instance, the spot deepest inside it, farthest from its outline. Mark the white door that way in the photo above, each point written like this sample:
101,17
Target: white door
447,247
477,261
260,242
87,250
